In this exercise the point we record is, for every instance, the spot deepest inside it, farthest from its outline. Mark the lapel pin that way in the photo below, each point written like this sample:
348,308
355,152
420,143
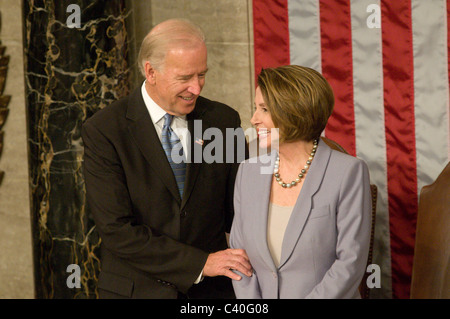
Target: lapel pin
199,141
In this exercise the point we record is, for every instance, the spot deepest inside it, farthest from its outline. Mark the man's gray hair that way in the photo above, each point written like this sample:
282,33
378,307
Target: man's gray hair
164,36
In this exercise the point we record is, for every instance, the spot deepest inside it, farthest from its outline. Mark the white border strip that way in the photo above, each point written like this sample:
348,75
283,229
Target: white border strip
370,126
304,33
431,92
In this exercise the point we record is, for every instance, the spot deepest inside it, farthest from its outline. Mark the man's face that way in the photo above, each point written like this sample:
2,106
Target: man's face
177,85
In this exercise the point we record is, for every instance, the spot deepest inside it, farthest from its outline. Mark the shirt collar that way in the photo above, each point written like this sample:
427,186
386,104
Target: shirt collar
155,111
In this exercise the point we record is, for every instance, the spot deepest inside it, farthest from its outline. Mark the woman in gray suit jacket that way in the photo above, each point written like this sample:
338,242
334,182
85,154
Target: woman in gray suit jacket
304,218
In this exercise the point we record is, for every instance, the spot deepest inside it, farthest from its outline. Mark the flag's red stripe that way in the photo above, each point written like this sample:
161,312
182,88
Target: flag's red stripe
337,68
271,33
398,84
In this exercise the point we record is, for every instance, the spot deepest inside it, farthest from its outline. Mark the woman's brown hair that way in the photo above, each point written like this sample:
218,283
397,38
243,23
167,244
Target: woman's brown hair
299,99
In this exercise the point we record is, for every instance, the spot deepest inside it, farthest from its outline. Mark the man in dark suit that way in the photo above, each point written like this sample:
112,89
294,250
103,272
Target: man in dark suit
163,222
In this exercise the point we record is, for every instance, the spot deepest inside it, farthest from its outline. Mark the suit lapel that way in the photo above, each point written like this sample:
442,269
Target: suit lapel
196,126
144,135
303,204
262,198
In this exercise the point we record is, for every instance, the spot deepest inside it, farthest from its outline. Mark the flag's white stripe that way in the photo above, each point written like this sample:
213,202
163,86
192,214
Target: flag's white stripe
369,128
304,33
429,23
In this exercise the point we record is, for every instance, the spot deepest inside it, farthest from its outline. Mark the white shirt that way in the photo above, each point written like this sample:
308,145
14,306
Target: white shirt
277,222
178,125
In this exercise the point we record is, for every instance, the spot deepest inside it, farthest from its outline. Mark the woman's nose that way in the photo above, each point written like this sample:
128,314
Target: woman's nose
254,119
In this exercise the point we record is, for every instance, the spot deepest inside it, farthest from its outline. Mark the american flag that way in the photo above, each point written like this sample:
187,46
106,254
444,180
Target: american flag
388,64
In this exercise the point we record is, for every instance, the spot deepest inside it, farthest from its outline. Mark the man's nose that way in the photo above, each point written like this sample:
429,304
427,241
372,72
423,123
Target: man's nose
196,85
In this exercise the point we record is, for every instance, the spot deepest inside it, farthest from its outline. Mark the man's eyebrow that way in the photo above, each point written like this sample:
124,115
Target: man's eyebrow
187,76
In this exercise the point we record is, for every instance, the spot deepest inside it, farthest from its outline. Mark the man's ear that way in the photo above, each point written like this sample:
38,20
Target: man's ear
150,73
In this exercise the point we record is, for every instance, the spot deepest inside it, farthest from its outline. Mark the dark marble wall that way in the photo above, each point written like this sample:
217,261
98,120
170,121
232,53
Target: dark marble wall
69,74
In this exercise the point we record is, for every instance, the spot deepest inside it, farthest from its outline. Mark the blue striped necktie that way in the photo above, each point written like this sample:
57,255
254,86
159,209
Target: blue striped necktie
172,145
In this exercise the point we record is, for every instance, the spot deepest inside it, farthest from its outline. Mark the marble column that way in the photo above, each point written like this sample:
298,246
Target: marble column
16,265
4,99
75,63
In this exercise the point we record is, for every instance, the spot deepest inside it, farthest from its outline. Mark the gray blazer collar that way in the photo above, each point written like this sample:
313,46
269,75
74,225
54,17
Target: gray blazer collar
301,210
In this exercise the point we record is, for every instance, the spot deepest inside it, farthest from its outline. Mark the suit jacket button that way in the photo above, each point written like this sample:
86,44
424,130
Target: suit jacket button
183,213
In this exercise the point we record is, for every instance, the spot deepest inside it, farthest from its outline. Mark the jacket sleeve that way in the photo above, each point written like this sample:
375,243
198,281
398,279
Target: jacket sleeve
241,153
353,221
109,202
247,287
